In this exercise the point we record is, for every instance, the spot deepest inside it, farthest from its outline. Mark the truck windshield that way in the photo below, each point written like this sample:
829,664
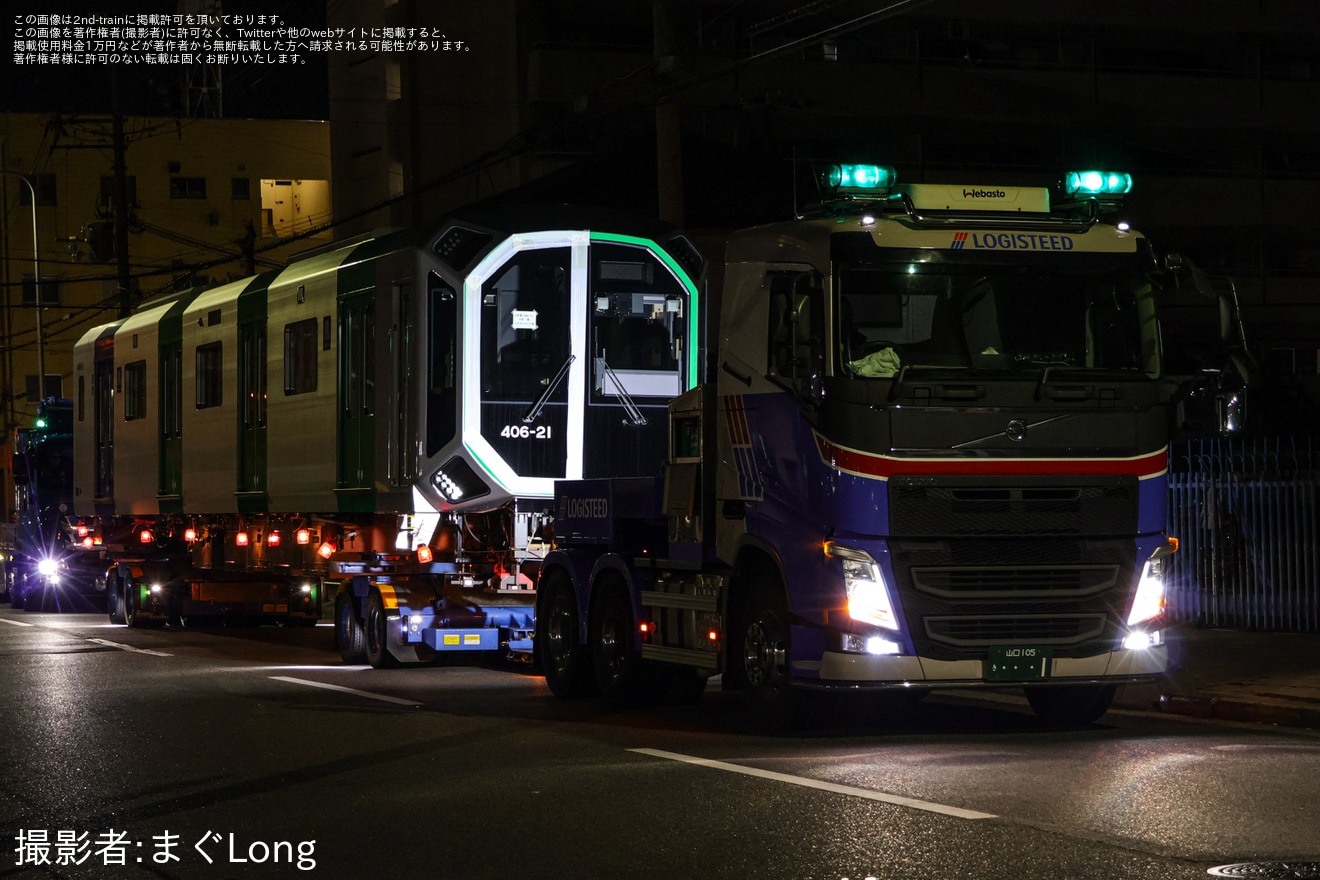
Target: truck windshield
995,318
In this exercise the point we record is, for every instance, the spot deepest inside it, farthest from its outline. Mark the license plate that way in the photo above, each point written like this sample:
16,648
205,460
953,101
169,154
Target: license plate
1018,663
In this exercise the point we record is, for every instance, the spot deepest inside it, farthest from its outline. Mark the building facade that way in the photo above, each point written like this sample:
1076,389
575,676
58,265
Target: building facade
204,201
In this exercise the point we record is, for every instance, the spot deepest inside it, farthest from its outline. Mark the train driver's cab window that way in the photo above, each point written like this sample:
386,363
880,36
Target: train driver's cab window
525,327
639,325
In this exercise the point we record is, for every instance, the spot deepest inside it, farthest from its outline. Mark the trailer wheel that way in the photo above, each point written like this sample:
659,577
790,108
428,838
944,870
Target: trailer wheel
564,660
616,662
376,628
1075,705
349,633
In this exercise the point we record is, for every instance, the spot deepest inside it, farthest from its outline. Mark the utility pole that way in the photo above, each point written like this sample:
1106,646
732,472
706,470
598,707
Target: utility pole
36,286
125,285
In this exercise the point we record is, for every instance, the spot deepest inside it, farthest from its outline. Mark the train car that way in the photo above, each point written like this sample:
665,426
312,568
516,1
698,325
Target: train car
388,414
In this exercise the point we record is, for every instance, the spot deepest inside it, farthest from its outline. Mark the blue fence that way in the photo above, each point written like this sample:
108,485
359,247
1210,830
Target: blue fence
1245,512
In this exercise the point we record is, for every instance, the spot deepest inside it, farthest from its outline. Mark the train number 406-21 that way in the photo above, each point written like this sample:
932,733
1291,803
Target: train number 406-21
526,432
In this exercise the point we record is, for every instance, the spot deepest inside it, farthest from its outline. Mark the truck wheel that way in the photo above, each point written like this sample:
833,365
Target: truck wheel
763,647
1075,705
375,629
617,664
131,616
349,633
563,660
114,600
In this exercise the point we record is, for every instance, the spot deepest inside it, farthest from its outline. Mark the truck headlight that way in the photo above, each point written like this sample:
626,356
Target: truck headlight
1149,599
48,568
868,595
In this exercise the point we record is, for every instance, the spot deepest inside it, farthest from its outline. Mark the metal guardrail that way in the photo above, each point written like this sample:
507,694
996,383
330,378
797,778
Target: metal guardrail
1247,514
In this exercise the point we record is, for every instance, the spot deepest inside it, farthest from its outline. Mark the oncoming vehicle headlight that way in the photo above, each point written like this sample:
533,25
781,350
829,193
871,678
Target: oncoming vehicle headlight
1149,599
48,568
868,595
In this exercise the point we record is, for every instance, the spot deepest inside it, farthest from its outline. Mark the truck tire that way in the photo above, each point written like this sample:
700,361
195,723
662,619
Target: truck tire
564,660
349,633
1074,705
762,650
114,600
131,616
375,628
613,655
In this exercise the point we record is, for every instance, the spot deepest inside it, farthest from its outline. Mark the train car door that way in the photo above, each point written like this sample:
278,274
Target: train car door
357,395
103,403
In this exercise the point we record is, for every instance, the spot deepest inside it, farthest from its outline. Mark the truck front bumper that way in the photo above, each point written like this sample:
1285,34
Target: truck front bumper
836,668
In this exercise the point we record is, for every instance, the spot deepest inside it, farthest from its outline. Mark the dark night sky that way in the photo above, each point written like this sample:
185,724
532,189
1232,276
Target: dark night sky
277,91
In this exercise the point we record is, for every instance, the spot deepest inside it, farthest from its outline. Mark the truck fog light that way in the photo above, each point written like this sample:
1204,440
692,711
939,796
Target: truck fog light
1140,641
877,645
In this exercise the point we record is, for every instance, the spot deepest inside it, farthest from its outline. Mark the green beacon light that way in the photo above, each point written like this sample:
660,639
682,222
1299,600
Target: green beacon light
41,424
860,179
1097,183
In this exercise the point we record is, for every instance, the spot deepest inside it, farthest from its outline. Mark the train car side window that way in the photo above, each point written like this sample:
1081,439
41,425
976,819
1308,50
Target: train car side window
208,376
135,391
300,352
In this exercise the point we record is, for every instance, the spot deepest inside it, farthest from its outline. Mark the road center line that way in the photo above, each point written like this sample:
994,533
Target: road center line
123,647
15,622
834,787
345,690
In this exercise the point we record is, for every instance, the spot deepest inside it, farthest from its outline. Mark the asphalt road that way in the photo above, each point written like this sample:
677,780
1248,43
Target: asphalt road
255,753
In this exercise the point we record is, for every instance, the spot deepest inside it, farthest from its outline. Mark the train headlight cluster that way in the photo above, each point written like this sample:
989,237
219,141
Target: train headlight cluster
456,481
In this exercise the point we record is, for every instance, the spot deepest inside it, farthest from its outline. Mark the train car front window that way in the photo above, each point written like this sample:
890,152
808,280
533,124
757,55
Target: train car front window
639,323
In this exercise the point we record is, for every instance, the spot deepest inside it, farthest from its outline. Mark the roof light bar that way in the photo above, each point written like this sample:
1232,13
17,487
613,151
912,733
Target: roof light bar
1097,183
860,179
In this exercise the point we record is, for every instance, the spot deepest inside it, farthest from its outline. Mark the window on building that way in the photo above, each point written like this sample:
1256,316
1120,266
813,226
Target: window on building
187,187
54,387
44,184
208,375
107,199
300,349
240,188
50,291
135,391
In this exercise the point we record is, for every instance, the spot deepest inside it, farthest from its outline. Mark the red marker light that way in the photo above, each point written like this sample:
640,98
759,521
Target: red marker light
83,531
190,535
303,536
424,555
241,539
273,539
145,536
326,550
88,542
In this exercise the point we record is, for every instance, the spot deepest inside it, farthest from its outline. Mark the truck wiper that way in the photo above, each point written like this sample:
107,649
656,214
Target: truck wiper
635,417
1087,373
903,371
532,414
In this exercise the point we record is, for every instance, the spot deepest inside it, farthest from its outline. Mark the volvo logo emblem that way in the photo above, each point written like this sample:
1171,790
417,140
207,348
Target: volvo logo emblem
1016,431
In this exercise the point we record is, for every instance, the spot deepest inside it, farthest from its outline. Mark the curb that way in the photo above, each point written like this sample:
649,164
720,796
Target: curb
1240,710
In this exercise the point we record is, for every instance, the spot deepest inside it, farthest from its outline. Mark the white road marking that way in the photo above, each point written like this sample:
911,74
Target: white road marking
15,622
345,690
123,647
945,809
